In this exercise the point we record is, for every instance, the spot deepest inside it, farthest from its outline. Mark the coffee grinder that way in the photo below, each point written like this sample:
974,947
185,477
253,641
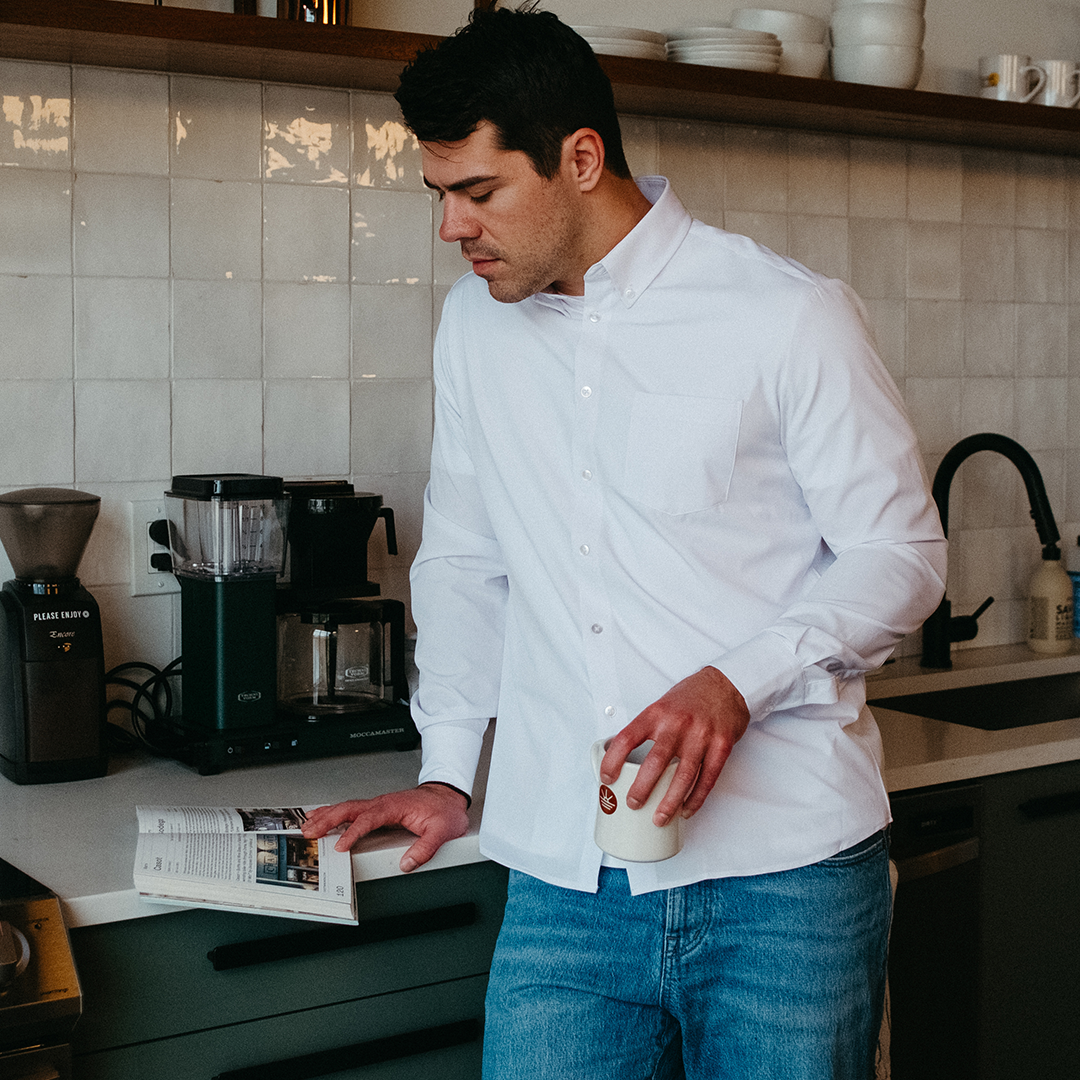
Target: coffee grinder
342,684
227,539
52,668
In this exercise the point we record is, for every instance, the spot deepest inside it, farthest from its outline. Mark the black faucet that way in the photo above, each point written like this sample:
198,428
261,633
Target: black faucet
942,628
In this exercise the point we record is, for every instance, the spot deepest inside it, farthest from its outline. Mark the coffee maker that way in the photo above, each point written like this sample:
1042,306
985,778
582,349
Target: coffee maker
341,647
278,671
52,667
227,541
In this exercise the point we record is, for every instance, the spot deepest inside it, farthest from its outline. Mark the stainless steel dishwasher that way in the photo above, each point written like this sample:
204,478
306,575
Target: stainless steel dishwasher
934,947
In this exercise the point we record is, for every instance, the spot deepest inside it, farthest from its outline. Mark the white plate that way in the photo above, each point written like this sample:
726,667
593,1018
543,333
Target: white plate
698,46
641,50
625,33
690,55
726,33
732,62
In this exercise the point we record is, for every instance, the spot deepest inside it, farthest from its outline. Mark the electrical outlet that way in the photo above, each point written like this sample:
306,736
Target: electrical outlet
146,579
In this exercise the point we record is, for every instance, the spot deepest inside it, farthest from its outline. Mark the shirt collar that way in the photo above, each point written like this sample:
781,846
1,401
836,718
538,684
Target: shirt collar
635,261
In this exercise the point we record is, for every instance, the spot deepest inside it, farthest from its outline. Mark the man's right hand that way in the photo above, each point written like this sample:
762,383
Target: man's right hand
433,812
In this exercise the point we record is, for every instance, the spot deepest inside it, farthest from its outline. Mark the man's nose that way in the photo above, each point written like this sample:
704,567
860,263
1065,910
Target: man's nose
457,223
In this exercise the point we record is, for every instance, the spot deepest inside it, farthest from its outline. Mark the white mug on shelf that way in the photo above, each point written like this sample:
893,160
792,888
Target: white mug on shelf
630,834
1010,78
1062,83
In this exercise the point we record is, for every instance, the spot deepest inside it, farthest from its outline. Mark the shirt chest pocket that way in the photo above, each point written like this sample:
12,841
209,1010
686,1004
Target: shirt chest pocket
681,451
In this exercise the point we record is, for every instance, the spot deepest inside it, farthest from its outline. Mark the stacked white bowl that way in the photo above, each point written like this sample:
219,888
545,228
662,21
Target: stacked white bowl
802,38
878,42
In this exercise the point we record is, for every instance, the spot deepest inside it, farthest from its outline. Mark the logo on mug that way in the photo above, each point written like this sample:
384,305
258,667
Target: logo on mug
608,803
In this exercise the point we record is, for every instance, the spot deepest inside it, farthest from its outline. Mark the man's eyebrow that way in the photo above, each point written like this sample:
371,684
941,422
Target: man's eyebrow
468,182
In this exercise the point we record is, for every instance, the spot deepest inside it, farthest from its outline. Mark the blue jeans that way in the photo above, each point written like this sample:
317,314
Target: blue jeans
774,977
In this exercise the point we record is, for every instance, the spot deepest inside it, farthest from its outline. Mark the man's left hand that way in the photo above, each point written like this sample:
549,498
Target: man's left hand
698,721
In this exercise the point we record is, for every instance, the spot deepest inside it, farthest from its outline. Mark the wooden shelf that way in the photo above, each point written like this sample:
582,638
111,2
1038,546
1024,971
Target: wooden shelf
111,33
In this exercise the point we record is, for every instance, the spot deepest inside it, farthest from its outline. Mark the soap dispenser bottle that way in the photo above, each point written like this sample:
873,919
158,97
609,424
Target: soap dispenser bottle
1050,605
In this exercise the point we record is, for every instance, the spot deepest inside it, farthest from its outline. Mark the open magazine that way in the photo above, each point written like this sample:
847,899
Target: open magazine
242,860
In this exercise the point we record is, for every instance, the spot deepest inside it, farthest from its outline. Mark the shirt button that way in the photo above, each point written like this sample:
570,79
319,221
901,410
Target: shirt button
610,710
584,549
586,474
586,391
629,294
594,316
597,628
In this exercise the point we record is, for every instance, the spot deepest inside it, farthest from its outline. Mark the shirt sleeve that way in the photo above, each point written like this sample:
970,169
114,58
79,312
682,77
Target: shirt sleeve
459,590
852,451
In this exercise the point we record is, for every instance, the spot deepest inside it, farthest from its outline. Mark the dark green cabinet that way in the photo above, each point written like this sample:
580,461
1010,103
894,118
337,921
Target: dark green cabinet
200,994
1030,960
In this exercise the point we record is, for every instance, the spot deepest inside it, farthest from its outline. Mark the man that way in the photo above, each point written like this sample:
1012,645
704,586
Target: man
673,497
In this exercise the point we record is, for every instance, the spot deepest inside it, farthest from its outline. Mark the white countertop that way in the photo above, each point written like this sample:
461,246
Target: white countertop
78,839
920,752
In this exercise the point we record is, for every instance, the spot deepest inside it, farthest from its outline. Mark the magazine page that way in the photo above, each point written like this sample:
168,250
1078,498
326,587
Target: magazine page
220,819
252,858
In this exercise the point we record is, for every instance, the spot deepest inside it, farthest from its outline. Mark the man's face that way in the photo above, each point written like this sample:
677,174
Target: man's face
516,228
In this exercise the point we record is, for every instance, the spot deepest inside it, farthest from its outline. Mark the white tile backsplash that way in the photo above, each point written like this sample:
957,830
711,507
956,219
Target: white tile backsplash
123,121
216,229
35,115
391,331
121,225
306,135
206,274
878,178
385,154
217,425
305,233
35,221
217,329
37,337
121,328
935,182
306,331
215,128
119,429
391,237
755,169
38,422
307,426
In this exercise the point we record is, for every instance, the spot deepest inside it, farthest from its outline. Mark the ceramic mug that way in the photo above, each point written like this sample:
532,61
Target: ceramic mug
630,834
1062,83
1009,78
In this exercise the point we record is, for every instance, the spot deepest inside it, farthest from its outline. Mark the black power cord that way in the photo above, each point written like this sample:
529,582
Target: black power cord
152,725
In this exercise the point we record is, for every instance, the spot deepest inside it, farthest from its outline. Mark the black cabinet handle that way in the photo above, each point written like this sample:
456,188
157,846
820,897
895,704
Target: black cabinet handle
309,942
937,862
1067,802
324,1062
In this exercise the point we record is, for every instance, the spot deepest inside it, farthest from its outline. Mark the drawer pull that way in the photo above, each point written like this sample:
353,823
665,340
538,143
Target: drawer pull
1067,802
325,1062
309,942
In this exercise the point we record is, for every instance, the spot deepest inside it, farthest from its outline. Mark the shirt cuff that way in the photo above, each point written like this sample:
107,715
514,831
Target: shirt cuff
451,752
767,674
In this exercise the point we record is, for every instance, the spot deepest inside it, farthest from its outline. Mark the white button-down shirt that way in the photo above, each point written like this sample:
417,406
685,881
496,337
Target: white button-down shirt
700,461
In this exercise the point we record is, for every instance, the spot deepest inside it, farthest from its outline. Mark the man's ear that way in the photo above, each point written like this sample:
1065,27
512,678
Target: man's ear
583,153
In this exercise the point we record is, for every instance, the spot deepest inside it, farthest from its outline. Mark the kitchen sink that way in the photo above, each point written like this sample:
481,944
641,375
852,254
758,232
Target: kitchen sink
996,706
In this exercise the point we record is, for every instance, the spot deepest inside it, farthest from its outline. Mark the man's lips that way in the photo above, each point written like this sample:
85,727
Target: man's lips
480,259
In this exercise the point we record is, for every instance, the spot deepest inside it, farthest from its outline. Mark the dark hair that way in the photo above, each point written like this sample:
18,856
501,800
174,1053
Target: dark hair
523,71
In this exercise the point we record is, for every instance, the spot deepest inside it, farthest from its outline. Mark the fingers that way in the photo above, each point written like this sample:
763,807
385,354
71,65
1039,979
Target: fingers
698,722
433,814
